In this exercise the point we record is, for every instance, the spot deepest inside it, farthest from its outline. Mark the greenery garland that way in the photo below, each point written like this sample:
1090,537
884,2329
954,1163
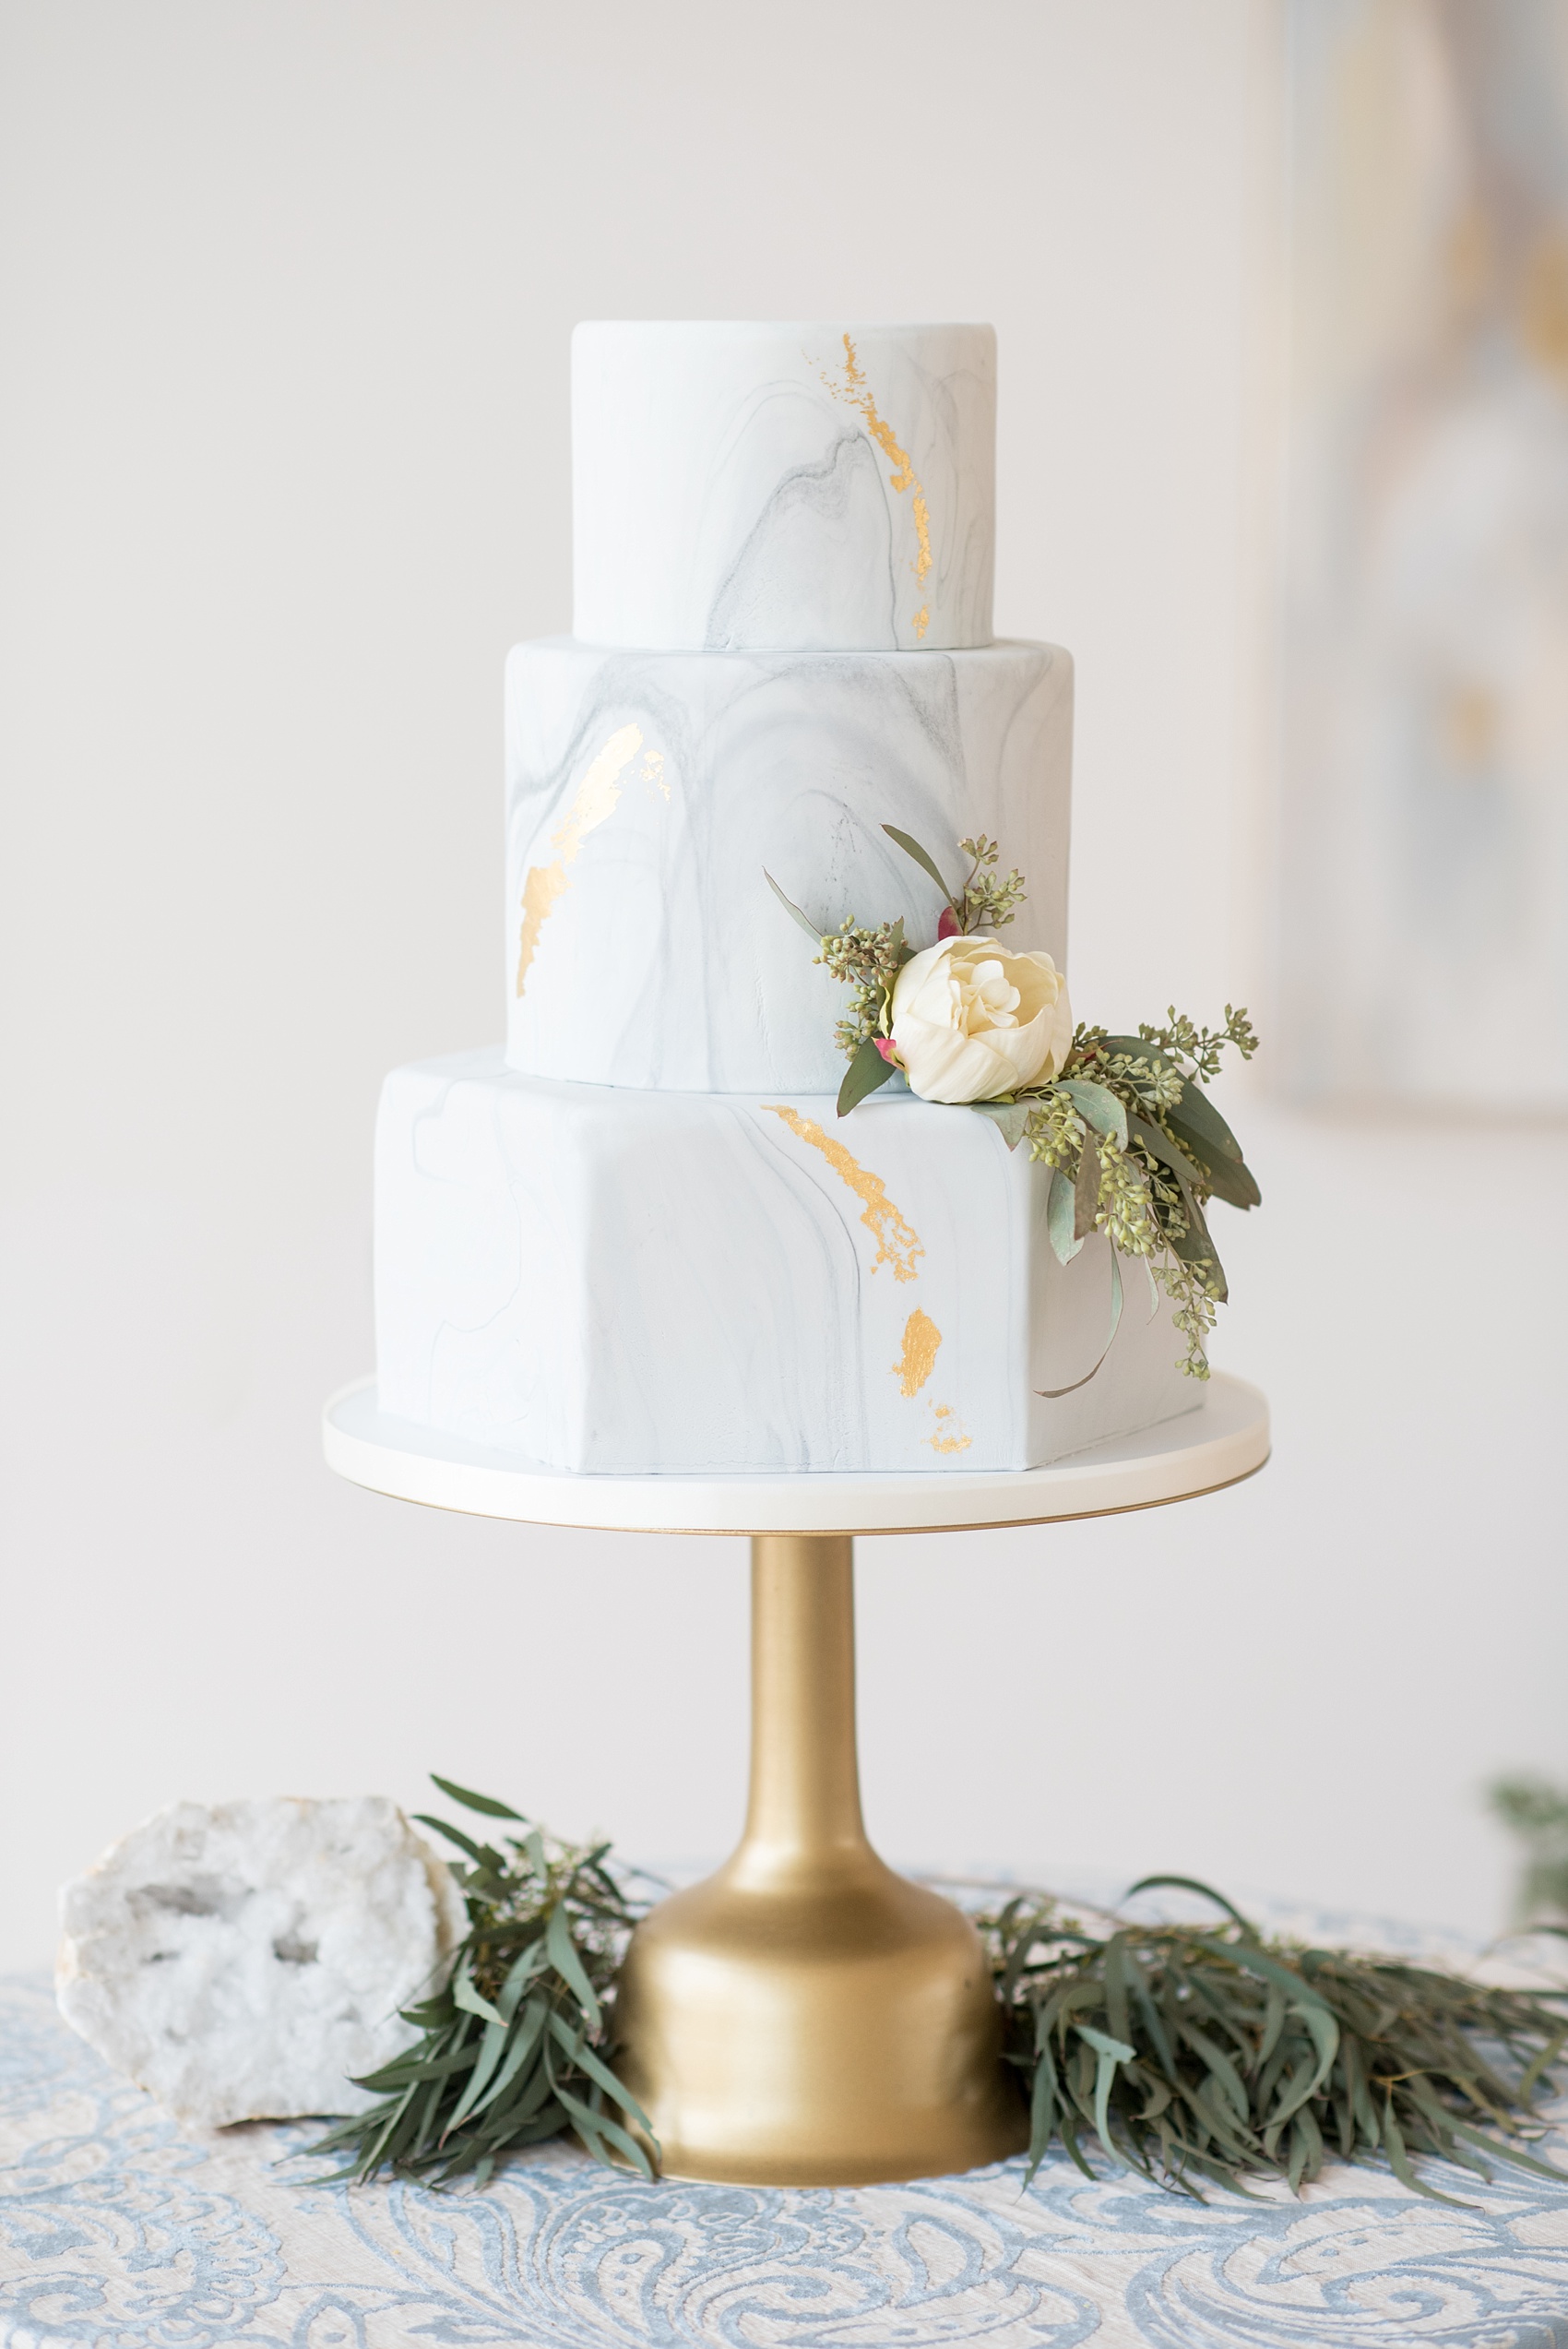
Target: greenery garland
1137,1148
1183,2051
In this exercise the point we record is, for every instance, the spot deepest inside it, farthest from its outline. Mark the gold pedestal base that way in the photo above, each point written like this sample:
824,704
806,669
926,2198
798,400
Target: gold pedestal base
806,2017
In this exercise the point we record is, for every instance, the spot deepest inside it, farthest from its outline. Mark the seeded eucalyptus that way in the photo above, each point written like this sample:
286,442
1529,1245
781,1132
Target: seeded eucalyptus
1136,1148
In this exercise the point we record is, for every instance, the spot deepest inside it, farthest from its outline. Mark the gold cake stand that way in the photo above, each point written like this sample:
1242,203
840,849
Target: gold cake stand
806,2017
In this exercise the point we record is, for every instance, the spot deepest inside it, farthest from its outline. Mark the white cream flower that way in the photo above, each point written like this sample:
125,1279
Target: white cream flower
971,1020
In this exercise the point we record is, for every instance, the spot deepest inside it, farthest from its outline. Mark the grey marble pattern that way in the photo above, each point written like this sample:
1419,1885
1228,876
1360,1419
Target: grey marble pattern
622,1281
741,487
648,792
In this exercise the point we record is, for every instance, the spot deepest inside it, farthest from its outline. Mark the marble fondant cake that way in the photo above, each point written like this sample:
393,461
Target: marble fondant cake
640,1238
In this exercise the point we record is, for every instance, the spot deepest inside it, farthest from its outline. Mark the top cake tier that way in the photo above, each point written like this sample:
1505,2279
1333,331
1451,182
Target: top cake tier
776,488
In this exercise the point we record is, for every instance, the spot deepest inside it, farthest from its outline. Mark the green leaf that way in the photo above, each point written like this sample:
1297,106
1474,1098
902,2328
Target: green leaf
1506,2152
569,1966
1208,1134
1196,1247
525,2038
489,1862
1086,1190
866,1073
1109,2054
1196,1110
383,2125
1043,2101
490,2047
1399,2162
1059,1217
485,1802
1227,1177
591,2126
1103,2045
583,2055
1306,2149
1099,1105
528,1963
790,907
1254,1961
533,1850
1169,1153
1325,2031
1192,1884
522,2084
1011,1117
927,863
1542,2064
1135,1048
470,1999
1223,2072
410,2069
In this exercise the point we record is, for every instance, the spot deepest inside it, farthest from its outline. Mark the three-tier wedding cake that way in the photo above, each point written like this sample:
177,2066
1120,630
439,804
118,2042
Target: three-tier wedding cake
640,1239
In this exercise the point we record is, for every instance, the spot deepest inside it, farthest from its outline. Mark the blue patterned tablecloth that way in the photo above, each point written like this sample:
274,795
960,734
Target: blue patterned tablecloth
120,2229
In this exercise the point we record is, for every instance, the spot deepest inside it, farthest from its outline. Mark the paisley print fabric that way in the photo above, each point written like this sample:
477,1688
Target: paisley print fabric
121,2230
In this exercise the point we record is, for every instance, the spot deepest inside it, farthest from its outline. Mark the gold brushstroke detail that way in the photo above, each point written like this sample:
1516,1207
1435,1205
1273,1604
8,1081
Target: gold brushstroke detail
922,531
599,795
541,887
921,1338
653,772
947,1439
858,393
896,1244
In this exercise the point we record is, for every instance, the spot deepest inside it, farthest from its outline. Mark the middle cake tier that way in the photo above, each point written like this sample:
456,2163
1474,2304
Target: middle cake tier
649,794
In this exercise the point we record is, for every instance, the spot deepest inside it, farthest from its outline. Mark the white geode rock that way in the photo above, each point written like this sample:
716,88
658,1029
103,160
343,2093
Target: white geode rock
240,1962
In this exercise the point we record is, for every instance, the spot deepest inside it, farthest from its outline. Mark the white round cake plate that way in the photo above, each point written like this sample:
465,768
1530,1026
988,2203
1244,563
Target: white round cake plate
1225,1439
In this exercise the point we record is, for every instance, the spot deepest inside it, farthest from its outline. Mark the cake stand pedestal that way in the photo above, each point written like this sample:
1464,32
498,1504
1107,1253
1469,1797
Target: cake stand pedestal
806,2017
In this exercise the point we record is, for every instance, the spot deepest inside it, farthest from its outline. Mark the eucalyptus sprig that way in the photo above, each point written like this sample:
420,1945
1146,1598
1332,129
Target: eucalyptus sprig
1136,1148
867,961
1537,1811
1138,1151
982,900
985,901
1188,2052
514,2047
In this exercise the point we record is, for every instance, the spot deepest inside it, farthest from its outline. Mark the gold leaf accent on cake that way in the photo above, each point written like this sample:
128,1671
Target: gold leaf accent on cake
922,531
542,886
857,393
653,772
599,795
921,1338
896,1245
947,1438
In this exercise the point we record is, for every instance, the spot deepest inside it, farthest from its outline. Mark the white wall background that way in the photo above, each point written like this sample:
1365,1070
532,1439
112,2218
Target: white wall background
288,291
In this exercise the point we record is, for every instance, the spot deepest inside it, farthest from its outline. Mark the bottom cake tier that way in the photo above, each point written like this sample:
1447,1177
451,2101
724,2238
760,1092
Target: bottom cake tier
617,1281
